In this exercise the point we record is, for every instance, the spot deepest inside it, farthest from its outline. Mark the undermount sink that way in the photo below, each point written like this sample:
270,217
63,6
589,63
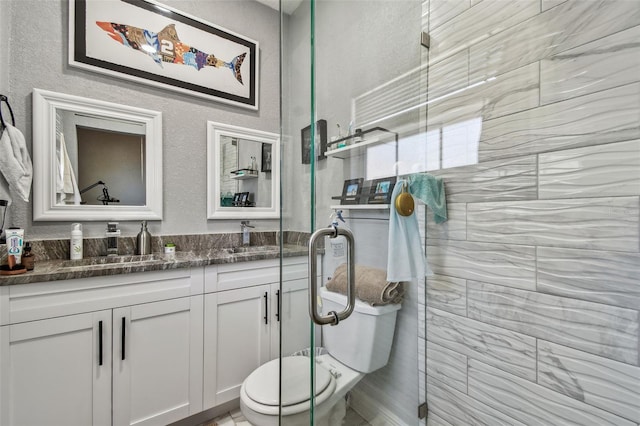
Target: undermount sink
111,260
251,249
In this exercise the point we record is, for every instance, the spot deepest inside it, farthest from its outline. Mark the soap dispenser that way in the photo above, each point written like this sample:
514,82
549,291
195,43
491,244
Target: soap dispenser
144,239
75,249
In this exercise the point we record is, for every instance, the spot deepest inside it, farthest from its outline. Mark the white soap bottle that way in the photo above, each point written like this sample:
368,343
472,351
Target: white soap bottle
75,250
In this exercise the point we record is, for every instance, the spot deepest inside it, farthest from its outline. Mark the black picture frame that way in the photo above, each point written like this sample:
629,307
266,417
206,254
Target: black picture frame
380,190
93,45
321,141
236,199
351,191
244,199
265,165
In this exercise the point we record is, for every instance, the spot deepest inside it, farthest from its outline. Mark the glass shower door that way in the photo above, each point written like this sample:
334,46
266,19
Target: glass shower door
352,80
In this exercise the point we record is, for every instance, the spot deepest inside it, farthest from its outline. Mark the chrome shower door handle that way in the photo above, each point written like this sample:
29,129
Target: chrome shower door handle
333,318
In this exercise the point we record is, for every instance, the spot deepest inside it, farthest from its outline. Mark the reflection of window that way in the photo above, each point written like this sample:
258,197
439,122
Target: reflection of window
380,161
460,143
448,146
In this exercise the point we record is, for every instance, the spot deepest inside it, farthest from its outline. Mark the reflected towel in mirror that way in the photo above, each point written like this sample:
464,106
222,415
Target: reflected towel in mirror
66,183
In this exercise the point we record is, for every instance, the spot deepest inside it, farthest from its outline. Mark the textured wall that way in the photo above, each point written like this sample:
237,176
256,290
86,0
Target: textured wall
4,52
38,59
532,316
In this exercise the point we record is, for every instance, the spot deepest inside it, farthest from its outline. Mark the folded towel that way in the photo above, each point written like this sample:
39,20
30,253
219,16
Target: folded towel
371,285
15,162
406,260
430,190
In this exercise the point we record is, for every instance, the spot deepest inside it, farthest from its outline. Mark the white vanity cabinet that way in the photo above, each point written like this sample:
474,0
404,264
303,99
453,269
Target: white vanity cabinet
242,321
67,346
51,373
157,361
128,349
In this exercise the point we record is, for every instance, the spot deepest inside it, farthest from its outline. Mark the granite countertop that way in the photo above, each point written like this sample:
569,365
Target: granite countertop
54,270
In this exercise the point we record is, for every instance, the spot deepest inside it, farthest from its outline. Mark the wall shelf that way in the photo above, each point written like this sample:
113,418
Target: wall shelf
352,150
242,177
360,207
244,174
357,148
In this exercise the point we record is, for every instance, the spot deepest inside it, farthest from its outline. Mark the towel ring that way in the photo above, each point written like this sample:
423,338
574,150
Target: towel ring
4,99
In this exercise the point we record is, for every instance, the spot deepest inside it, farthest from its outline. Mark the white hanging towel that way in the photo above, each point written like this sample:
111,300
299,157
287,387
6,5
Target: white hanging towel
66,183
406,260
15,163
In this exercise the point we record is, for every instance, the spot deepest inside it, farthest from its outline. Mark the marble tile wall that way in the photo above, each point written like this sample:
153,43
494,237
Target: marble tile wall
532,316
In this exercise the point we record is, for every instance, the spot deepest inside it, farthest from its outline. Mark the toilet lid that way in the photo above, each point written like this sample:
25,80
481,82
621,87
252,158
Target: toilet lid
262,385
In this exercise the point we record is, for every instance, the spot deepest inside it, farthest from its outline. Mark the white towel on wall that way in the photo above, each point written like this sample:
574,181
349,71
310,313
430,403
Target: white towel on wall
15,163
406,260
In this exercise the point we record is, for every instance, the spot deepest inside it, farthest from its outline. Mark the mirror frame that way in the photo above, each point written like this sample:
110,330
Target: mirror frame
215,132
45,208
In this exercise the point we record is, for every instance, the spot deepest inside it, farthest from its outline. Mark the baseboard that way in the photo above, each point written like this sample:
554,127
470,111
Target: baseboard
371,410
204,416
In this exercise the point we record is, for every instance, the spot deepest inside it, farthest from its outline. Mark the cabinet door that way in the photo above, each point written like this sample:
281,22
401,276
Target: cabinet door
236,340
157,361
57,371
291,321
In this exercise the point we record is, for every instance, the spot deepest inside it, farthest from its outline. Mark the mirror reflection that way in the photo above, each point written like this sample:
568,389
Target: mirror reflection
100,161
95,160
241,181
244,171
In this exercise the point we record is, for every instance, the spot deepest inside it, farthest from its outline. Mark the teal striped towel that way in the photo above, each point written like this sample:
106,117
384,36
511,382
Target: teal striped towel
430,190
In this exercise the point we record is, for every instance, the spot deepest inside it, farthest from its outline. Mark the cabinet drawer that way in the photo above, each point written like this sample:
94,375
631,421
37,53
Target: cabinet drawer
246,274
29,302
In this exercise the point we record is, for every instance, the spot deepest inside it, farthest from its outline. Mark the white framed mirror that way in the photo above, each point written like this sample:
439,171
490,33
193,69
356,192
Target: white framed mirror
95,160
243,174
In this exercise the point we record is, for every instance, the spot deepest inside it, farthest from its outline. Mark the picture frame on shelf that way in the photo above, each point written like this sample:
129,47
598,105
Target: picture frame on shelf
320,145
380,190
351,191
182,53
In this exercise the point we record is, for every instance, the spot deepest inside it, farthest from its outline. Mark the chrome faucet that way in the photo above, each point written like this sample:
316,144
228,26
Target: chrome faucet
112,238
246,234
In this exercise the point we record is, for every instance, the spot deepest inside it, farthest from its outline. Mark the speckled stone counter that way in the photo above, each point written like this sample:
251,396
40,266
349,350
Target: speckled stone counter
192,251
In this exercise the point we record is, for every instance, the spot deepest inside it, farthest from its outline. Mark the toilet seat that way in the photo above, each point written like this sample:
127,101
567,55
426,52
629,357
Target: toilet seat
260,390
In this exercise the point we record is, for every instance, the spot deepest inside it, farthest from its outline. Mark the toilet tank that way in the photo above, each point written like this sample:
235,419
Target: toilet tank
362,341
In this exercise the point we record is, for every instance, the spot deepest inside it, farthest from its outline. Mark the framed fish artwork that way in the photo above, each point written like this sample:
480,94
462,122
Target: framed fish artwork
148,42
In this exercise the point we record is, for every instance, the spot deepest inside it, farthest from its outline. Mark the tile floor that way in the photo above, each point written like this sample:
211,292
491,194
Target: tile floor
235,418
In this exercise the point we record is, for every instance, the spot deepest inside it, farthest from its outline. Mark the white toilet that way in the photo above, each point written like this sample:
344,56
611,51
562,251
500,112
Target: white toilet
358,345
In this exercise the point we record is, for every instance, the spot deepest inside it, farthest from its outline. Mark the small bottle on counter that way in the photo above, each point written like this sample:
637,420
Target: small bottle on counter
170,250
28,258
75,251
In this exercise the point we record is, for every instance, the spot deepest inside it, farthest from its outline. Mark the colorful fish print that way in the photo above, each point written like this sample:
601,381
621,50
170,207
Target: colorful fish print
165,46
